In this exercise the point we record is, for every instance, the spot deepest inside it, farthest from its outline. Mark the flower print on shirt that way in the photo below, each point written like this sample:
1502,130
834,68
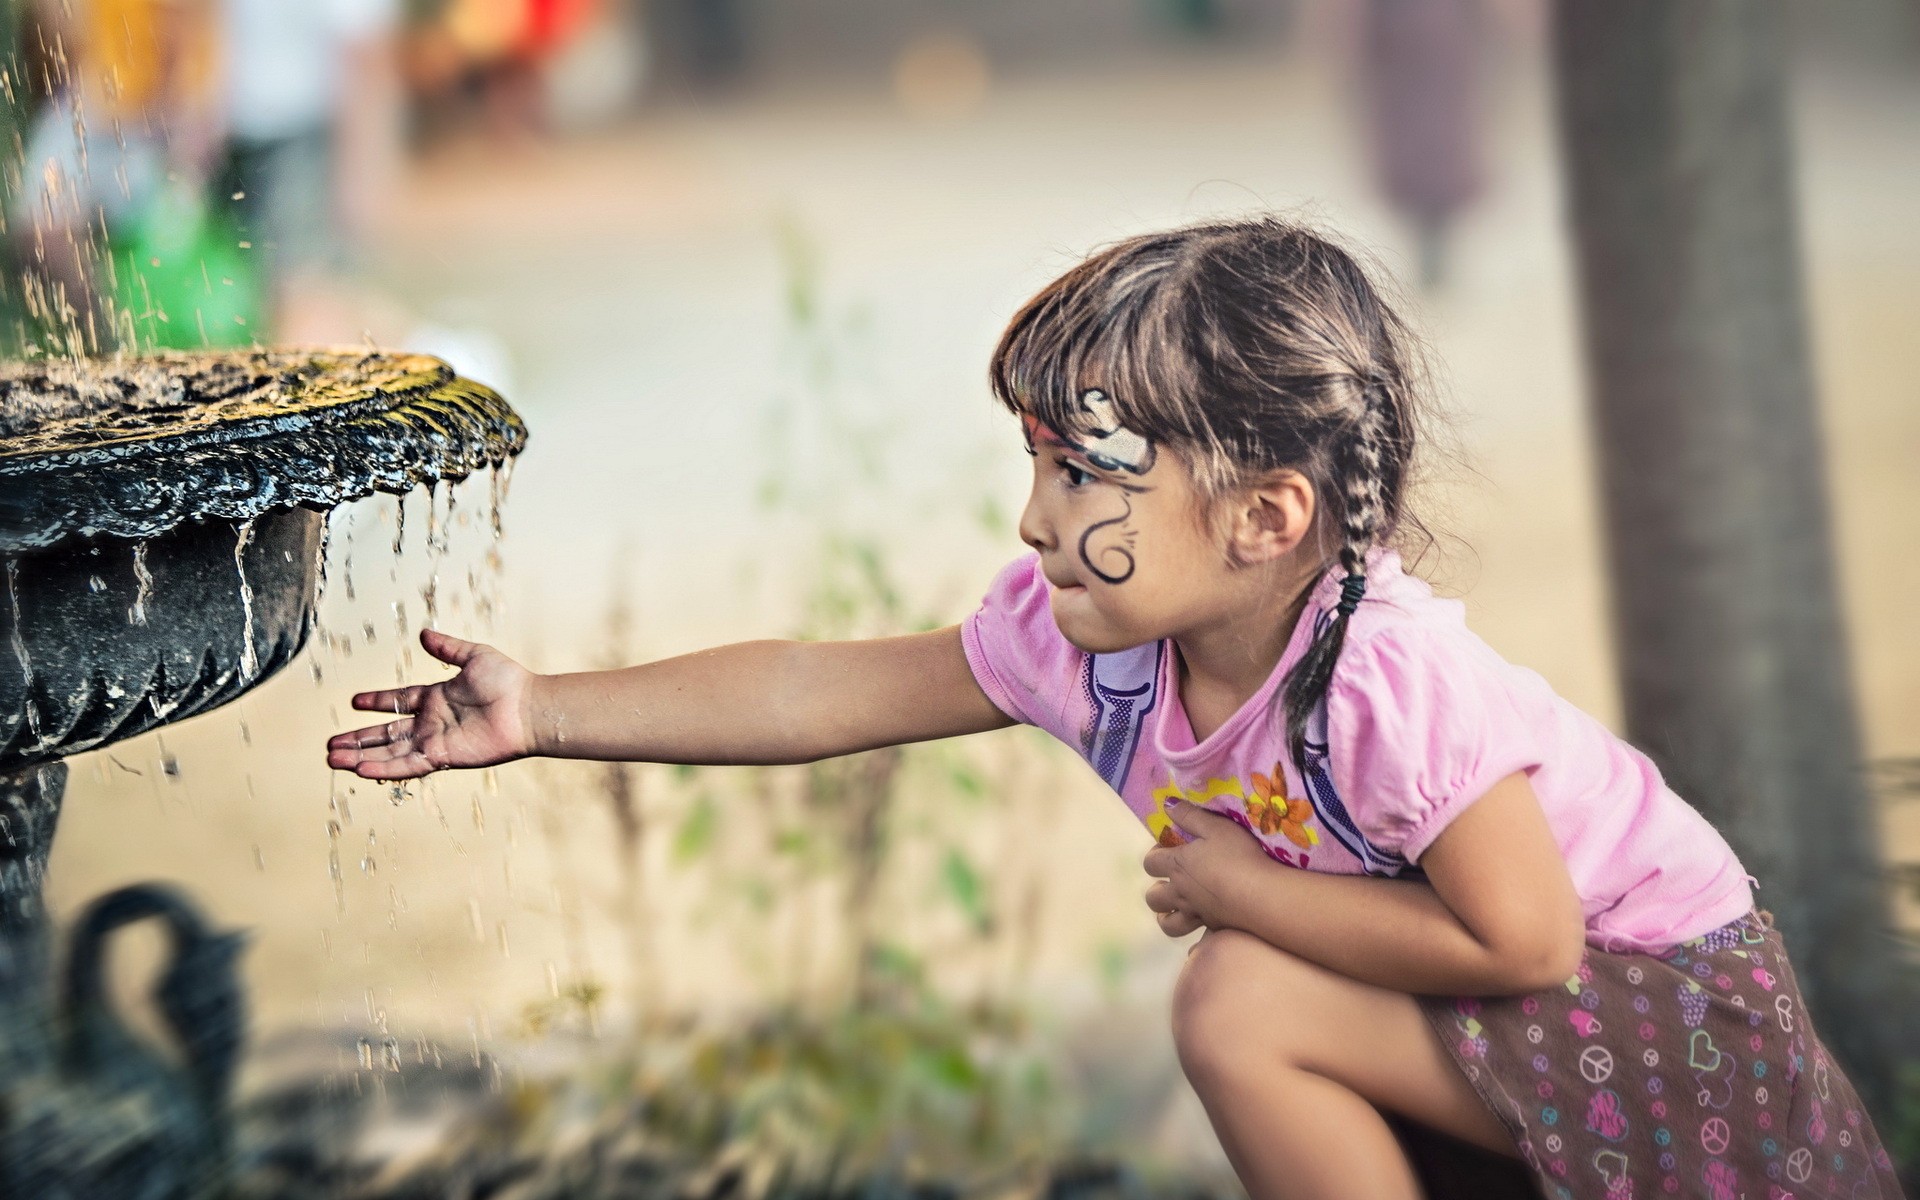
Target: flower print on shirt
1261,808
1159,824
1271,811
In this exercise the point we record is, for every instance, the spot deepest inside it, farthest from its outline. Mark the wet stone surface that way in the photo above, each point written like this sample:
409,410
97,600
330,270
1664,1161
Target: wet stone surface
135,447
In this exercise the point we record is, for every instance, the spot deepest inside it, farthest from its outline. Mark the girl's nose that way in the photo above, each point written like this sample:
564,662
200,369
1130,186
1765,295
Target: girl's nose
1034,531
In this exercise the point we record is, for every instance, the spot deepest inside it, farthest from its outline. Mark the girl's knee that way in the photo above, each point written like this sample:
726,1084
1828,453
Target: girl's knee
1229,982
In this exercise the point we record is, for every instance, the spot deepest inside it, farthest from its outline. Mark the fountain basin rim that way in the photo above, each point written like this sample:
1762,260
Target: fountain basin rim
332,427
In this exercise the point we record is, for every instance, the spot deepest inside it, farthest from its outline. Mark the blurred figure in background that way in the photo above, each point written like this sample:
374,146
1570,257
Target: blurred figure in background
132,123
313,124
497,51
1421,70
697,45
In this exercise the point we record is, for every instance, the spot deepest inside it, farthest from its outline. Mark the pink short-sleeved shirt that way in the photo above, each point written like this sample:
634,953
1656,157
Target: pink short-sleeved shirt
1420,720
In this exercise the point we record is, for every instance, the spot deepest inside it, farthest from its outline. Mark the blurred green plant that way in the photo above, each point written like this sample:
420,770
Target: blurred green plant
1902,1132
575,1008
179,279
1895,781
856,1048
921,1082
833,826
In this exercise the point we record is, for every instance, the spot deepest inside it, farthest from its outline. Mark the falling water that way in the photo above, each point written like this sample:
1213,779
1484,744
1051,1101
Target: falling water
333,866
249,655
143,586
346,565
433,513
498,483
20,649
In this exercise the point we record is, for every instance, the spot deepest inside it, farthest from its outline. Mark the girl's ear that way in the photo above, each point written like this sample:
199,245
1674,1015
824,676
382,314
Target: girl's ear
1271,517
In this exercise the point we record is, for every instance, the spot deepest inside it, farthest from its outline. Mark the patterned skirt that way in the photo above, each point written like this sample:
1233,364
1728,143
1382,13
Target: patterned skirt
1693,1073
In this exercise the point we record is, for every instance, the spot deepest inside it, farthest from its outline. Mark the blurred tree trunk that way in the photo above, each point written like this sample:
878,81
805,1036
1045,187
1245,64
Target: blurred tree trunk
1731,648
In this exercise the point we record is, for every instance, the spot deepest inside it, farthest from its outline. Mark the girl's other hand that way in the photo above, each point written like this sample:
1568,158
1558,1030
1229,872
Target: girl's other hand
1196,881
476,719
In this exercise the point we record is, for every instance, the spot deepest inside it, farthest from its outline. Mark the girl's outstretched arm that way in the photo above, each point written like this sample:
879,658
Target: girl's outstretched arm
1501,915
751,702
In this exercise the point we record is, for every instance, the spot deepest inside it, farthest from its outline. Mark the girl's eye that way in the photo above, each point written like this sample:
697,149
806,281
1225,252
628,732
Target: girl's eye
1077,476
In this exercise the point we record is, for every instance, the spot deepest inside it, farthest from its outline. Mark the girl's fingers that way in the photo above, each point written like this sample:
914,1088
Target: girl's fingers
406,766
372,735
1177,924
1159,861
394,700
449,650
1162,898
401,748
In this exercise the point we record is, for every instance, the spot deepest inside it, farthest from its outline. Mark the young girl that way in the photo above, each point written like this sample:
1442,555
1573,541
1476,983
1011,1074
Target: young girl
1430,887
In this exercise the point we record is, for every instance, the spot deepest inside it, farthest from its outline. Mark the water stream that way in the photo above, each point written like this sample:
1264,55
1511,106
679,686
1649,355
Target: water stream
249,652
143,585
18,641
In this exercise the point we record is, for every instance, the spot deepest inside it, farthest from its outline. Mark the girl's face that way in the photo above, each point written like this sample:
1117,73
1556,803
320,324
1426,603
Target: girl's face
1122,538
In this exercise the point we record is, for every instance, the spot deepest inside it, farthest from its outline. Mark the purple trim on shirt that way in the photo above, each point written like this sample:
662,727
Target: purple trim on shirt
1120,689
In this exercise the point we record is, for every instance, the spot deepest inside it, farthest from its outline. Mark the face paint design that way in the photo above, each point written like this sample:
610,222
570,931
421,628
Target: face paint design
1112,446
1115,549
1106,546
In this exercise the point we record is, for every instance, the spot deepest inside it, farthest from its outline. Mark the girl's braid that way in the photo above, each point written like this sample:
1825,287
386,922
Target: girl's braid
1361,468
1365,465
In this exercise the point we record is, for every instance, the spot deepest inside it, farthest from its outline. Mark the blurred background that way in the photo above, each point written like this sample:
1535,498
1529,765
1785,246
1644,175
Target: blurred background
739,264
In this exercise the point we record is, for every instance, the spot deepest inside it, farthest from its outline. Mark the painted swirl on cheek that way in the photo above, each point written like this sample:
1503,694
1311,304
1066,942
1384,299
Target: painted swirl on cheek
1116,548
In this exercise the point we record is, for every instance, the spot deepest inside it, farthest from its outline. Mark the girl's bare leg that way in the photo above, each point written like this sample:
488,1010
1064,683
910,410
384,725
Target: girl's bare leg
1293,1063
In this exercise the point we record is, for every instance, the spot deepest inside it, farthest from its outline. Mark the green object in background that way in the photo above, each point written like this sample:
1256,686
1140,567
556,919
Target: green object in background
180,274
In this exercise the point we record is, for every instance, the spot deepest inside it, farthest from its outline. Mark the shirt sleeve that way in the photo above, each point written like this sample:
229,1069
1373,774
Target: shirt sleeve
1421,723
1017,653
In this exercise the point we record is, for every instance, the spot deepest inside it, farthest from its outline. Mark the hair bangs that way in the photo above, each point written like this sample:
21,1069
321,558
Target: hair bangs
1106,325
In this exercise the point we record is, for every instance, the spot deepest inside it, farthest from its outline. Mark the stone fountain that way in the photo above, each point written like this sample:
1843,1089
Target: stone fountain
162,538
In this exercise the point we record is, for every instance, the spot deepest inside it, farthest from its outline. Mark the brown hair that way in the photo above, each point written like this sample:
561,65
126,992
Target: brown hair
1245,346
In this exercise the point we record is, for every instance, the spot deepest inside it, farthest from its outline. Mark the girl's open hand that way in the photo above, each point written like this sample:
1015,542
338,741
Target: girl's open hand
1195,882
476,719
